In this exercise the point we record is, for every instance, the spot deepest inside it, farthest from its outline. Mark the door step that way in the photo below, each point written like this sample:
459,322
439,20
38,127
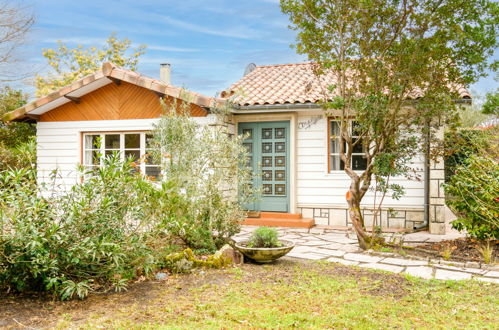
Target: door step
277,219
280,215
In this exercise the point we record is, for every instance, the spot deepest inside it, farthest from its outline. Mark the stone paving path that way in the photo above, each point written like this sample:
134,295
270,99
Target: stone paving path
341,247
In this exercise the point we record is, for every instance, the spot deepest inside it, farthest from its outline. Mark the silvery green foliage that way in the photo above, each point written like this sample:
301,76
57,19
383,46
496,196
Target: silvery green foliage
207,166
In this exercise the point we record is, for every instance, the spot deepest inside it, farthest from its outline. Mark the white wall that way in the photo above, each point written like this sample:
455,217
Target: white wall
316,187
59,145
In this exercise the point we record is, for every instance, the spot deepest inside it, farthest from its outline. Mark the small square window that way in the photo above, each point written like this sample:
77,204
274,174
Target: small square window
132,141
112,141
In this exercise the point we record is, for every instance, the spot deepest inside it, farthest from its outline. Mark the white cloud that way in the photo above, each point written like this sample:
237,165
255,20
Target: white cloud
172,49
240,32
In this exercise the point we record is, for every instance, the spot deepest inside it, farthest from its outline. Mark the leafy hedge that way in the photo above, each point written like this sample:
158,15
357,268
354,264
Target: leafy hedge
474,197
460,145
473,189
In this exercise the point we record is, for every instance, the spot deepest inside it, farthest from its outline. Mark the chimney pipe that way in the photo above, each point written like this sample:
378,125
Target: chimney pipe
165,73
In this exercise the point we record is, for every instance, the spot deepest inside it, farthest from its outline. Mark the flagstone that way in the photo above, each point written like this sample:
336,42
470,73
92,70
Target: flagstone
420,271
404,262
308,255
442,274
343,261
334,253
361,257
385,267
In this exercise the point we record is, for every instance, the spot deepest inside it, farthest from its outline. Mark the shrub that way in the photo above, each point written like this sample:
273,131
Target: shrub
264,237
94,236
210,182
459,145
116,225
473,196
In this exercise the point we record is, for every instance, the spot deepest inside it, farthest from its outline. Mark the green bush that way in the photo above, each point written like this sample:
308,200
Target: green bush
264,237
473,195
116,225
208,177
94,236
462,144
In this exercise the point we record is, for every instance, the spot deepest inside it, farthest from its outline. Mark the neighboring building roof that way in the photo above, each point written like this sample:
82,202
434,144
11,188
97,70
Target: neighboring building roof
285,84
108,74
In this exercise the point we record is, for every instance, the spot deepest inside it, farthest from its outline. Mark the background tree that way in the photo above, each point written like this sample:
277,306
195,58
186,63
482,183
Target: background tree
69,65
15,23
17,148
491,105
383,54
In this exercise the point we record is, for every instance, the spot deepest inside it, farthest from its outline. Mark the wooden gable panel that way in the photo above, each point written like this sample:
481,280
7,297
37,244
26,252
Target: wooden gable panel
114,102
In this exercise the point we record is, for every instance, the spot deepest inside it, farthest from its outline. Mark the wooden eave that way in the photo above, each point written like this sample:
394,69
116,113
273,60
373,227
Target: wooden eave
111,73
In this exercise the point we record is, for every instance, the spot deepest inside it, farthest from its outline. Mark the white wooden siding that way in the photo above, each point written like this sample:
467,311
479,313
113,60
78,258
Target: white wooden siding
59,145
316,187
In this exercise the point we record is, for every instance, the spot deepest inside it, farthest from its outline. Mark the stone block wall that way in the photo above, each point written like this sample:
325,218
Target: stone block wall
395,218
437,196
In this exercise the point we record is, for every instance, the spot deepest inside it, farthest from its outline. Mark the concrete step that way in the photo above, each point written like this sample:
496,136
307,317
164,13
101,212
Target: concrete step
280,215
280,222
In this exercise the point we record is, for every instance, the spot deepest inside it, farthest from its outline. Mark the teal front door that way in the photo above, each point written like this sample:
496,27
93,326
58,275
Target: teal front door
268,146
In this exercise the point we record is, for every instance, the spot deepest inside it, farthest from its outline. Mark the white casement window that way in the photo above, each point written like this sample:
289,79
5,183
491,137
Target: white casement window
359,162
129,145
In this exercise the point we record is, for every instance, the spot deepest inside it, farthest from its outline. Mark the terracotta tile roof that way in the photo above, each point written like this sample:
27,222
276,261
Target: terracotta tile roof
112,72
286,84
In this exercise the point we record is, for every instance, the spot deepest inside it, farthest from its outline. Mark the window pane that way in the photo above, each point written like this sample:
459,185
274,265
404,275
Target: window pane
153,172
355,128
335,128
134,154
335,162
132,141
149,158
112,153
112,141
334,147
359,163
92,157
92,141
357,149
149,141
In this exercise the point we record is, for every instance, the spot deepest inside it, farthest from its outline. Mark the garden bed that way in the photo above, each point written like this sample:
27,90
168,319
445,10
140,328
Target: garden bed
458,250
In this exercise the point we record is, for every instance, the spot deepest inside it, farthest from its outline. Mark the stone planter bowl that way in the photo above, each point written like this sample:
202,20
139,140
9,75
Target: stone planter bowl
265,255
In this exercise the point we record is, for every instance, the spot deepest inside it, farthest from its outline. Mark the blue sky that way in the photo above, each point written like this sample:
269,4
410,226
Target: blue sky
207,42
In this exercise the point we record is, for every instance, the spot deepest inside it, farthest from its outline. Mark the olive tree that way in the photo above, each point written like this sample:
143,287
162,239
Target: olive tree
397,67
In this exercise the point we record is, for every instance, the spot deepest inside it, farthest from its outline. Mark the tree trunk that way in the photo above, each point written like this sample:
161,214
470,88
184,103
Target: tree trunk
357,220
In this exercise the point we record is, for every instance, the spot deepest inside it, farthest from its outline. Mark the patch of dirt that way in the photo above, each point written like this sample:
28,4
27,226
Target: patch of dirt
30,310
461,249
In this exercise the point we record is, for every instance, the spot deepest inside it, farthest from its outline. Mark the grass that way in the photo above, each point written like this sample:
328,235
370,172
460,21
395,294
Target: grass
287,294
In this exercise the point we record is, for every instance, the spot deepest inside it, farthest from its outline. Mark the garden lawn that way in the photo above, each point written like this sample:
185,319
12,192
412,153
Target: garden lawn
290,293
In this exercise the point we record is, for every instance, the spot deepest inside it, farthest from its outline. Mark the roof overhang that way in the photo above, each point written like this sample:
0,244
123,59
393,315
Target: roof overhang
109,73
298,107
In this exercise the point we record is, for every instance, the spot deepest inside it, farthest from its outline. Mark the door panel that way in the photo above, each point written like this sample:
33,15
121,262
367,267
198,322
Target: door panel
268,146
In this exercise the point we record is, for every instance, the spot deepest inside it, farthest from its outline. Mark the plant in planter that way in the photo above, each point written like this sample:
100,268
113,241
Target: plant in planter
264,246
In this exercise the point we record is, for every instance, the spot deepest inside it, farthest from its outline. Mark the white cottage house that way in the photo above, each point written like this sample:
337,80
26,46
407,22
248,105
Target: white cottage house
290,142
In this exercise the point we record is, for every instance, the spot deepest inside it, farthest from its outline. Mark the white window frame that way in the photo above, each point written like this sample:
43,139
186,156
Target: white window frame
102,150
338,139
